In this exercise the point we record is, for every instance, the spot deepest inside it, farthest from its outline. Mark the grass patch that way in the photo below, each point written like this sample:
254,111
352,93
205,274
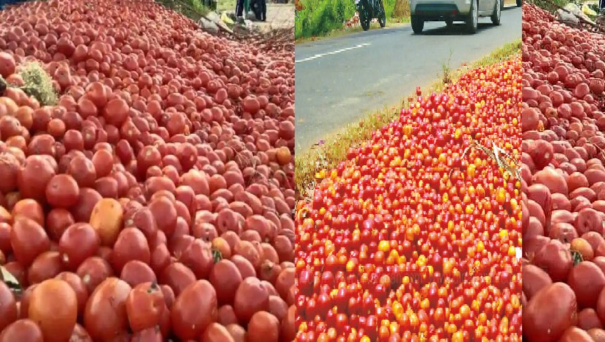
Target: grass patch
333,149
193,9
320,17
501,54
326,18
38,83
226,5
446,70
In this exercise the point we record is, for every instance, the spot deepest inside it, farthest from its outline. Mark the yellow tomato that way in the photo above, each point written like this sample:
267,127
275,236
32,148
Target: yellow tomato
480,247
384,246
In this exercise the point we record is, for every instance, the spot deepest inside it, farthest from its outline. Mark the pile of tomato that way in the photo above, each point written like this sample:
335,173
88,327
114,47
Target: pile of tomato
414,237
154,201
563,176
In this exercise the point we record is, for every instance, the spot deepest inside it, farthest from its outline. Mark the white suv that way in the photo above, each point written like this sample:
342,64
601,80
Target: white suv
449,11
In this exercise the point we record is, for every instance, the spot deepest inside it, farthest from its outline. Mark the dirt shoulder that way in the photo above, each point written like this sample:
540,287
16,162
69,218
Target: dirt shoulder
279,16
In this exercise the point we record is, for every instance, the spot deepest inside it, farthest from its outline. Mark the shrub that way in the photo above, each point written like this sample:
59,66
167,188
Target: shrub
320,17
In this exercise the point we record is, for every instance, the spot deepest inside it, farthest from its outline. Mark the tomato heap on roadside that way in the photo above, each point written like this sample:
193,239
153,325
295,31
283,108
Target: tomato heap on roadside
154,200
412,239
563,175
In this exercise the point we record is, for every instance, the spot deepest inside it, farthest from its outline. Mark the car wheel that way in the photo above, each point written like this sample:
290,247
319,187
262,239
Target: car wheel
417,24
449,22
472,21
497,13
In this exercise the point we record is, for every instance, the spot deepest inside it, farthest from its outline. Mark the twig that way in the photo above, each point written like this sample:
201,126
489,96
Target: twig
494,153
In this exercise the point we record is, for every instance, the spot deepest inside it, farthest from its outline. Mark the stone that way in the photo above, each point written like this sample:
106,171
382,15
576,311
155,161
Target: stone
213,16
209,26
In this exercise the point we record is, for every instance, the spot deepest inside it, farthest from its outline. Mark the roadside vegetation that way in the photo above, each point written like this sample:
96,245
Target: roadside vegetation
193,9
320,18
226,5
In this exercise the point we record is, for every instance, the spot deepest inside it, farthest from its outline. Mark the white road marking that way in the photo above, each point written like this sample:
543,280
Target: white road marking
331,53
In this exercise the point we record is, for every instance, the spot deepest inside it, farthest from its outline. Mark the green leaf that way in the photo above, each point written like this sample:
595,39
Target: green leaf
10,280
216,255
576,257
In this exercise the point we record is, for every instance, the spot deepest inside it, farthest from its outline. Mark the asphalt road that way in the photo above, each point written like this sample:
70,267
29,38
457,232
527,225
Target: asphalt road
339,80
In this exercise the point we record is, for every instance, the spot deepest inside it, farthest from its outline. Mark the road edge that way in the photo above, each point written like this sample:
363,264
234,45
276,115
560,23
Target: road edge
344,32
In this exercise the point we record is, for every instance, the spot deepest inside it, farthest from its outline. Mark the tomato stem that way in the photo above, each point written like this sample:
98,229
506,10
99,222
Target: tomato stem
576,257
216,255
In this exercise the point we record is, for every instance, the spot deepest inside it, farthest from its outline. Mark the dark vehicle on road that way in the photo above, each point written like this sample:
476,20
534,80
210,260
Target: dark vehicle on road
368,10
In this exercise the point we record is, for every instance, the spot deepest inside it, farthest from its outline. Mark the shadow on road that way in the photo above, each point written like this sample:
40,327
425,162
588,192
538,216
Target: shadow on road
458,29
378,32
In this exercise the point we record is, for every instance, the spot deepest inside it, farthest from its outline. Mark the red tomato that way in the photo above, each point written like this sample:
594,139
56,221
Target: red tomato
22,330
216,333
263,326
587,280
8,306
145,306
550,312
573,334
194,309
251,296
53,305
588,319
105,316
597,335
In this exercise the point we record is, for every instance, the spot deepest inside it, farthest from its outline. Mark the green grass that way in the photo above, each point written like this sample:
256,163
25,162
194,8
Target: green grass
38,83
326,18
197,6
226,5
335,147
193,9
501,54
561,3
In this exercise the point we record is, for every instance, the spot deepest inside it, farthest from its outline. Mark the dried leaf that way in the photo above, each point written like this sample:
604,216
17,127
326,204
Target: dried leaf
10,280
